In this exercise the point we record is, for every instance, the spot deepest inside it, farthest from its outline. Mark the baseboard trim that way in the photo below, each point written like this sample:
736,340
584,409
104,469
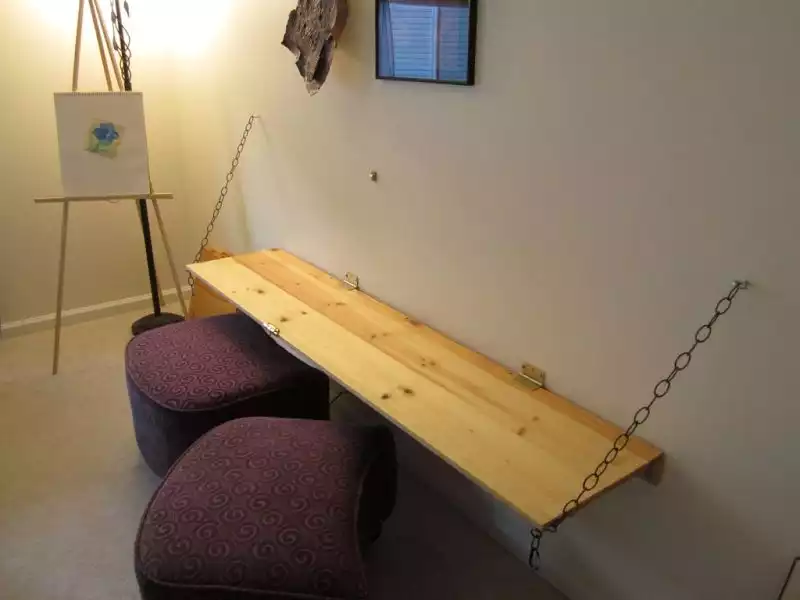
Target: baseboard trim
85,313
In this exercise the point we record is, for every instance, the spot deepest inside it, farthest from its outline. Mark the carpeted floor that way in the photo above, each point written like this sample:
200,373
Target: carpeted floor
72,489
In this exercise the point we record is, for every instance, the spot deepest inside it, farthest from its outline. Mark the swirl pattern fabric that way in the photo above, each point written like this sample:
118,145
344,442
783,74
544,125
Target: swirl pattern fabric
187,378
269,509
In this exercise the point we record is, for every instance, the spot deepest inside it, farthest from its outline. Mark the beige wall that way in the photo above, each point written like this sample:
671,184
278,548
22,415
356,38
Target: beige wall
583,207
617,165
106,253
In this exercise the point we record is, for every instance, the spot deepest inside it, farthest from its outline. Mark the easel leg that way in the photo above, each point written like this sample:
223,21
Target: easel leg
95,19
62,261
60,294
109,45
175,278
160,293
76,64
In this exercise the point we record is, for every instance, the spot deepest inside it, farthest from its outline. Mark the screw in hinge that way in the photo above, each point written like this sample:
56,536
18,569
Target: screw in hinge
351,279
531,376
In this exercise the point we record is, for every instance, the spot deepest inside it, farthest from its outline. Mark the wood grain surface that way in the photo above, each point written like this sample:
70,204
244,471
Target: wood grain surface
531,449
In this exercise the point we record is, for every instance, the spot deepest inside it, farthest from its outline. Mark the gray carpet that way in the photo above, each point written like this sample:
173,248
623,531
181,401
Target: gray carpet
72,489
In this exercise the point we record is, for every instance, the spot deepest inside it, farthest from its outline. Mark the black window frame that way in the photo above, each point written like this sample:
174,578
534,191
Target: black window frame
472,50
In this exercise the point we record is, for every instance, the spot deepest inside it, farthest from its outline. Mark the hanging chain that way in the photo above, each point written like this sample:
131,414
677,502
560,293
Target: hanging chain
124,50
661,389
223,193
122,46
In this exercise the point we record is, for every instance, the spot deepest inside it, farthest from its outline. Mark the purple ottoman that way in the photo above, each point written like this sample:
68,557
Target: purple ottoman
185,379
268,509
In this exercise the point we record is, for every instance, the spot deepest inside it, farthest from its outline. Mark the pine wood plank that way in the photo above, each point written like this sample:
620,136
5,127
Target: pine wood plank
530,449
204,302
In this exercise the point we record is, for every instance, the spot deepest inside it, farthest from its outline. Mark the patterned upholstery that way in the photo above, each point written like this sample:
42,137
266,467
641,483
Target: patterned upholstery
264,508
187,378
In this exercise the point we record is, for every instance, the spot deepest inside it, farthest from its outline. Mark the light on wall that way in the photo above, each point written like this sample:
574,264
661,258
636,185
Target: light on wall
182,28
56,14
177,27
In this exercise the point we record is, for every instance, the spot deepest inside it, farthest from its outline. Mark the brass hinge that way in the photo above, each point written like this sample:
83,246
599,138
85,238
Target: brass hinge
351,279
272,330
531,377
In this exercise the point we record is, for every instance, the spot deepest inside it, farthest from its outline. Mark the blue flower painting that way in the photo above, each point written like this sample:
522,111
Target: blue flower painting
104,138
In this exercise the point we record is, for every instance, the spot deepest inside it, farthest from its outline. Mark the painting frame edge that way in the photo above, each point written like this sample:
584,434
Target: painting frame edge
472,51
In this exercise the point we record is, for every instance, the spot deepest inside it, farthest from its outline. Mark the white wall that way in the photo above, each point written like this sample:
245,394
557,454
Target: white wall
106,258
617,165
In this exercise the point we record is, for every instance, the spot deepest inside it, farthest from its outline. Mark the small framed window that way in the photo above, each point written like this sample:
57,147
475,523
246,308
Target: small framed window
426,40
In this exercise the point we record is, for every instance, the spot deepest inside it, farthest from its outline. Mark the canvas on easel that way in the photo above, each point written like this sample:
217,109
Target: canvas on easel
103,151
102,143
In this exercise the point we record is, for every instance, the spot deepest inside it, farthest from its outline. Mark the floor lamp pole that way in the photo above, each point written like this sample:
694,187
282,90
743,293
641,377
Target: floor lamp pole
157,318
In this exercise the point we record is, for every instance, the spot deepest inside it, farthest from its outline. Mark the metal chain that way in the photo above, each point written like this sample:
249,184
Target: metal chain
661,389
125,59
123,49
223,193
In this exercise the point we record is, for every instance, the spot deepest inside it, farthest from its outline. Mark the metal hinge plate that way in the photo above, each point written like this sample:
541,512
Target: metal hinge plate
351,279
531,377
272,330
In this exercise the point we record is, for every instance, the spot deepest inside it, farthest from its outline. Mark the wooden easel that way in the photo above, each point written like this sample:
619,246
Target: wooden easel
104,45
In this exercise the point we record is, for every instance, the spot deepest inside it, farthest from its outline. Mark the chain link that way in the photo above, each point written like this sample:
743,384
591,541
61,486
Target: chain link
122,46
223,193
661,389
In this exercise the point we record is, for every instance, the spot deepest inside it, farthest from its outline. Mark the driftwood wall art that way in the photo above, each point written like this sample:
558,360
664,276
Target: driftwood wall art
311,34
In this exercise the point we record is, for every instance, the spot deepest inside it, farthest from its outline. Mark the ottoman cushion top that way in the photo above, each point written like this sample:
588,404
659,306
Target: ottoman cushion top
208,363
263,508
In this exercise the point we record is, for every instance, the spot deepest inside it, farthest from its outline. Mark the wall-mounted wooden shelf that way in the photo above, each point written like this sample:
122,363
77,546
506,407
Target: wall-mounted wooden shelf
531,449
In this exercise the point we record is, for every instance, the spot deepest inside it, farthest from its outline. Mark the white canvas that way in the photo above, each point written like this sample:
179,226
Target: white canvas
102,144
